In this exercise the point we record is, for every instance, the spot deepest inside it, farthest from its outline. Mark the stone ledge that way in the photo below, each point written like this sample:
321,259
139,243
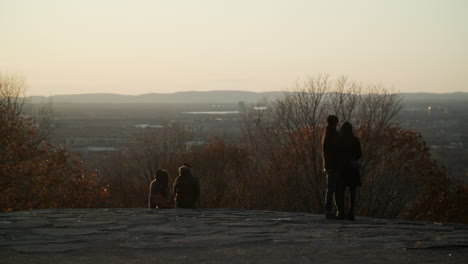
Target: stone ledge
220,236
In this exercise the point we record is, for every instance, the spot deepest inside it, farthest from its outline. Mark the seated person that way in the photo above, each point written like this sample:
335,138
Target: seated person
159,194
186,188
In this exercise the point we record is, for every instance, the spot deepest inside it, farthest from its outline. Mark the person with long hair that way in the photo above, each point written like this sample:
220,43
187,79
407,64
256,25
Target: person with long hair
349,155
159,191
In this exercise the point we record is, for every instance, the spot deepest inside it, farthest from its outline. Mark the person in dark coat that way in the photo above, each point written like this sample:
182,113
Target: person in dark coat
159,193
330,162
349,149
186,189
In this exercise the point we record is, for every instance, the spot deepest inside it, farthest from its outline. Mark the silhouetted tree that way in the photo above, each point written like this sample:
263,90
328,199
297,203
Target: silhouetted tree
286,141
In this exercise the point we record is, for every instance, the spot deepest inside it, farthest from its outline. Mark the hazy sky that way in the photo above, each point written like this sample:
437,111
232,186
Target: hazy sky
136,46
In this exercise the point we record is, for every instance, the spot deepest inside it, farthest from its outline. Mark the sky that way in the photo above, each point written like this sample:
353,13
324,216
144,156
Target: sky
142,46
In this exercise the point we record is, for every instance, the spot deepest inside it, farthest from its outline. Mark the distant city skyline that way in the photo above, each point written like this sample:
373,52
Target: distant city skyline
138,47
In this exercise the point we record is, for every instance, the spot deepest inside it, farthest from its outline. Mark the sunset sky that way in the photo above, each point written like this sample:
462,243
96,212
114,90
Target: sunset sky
136,47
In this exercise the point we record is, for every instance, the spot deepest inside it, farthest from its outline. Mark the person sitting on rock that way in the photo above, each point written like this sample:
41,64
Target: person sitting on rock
186,188
159,191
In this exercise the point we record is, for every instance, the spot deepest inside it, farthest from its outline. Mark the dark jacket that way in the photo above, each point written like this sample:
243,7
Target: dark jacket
186,191
157,189
330,148
349,149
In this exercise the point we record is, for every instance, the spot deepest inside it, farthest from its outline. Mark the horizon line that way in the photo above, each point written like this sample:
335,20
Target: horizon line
192,91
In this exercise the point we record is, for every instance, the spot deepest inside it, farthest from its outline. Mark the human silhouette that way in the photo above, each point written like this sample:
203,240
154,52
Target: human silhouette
330,162
186,188
159,194
349,155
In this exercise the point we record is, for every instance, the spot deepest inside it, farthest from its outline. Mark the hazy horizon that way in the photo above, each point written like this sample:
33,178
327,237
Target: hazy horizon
208,91
140,47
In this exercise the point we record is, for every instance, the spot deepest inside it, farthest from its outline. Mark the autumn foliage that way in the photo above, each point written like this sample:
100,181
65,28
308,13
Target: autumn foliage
278,165
33,173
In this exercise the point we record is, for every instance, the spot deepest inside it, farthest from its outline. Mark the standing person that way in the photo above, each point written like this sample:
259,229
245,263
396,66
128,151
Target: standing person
186,188
330,162
159,194
350,153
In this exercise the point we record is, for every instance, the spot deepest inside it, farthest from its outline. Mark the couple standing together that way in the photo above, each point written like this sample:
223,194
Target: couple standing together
341,161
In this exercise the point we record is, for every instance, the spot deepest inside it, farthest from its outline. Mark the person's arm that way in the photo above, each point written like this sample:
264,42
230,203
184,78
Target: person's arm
151,201
358,149
325,144
325,150
175,187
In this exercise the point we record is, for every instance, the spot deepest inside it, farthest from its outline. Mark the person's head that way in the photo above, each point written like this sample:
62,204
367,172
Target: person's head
162,176
346,129
185,171
332,120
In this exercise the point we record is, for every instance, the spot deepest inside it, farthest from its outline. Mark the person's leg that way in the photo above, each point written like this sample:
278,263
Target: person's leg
331,185
339,197
352,202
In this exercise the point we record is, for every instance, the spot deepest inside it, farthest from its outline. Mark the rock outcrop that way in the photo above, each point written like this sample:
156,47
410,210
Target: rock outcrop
221,236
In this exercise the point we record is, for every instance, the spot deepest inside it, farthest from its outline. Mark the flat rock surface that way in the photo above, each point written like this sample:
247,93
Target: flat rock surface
221,236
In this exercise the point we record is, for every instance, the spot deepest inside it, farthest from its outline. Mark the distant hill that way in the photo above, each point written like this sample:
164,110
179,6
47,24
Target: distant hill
216,97
179,97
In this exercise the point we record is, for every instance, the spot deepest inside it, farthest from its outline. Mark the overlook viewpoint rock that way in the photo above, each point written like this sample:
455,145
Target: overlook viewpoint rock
221,236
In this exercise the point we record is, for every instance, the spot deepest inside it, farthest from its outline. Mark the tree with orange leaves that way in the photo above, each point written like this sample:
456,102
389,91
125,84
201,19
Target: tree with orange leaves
34,174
